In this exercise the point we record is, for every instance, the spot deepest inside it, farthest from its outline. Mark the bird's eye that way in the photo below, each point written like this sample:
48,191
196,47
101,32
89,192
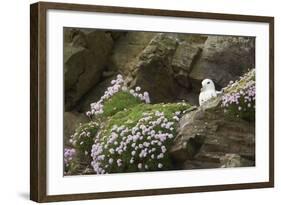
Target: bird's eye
208,82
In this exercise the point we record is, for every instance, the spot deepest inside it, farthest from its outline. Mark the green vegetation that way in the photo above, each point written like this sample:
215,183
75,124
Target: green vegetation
119,102
137,139
128,136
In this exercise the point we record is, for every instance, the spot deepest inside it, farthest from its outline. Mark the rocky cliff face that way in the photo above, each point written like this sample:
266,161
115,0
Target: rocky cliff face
85,57
211,137
208,138
170,67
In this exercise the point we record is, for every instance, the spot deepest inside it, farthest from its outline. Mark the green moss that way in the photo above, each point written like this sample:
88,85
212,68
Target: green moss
83,137
82,141
130,117
245,112
119,102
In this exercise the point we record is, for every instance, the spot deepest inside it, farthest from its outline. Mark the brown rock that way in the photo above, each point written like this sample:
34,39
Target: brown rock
224,58
235,160
84,64
71,121
127,49
153,71
93,95
210,139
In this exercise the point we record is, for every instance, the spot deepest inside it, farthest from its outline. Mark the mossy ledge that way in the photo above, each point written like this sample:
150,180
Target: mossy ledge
143,131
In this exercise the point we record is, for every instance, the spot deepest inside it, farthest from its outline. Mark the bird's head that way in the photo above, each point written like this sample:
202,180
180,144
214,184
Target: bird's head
207,84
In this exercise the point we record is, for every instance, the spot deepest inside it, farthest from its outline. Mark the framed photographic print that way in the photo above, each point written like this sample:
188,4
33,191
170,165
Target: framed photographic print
134,102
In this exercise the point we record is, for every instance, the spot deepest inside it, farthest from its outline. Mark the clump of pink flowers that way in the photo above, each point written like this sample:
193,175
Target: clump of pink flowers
82,139
139,147
240,97
246,95
69,154
116,85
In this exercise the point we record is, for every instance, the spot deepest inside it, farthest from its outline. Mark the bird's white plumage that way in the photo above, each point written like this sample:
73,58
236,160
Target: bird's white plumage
208,91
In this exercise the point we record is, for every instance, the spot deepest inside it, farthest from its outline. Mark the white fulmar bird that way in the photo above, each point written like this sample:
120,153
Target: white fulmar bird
208,91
